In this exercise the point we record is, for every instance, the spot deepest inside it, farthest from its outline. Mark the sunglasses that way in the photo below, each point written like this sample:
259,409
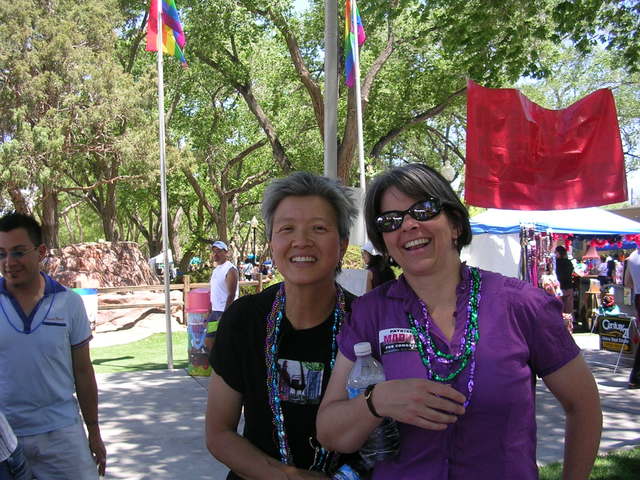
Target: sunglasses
422,211
16,254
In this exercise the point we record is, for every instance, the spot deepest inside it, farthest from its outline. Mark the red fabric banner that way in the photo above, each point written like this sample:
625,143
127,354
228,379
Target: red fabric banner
521,156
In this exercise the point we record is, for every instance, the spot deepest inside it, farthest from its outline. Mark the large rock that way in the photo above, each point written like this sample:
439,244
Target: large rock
112,264
103,264
124,318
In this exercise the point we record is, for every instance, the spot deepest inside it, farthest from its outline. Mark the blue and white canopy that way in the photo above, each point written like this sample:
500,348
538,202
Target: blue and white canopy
579,221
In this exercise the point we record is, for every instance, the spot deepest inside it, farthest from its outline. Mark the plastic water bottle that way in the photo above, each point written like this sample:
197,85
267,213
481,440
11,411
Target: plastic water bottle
346,472
384,442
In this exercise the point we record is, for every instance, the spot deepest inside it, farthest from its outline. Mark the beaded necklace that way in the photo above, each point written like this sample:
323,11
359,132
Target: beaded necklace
431,355
271,347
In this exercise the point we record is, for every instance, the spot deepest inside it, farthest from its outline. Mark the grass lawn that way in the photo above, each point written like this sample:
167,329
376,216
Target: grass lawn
147,354
616,465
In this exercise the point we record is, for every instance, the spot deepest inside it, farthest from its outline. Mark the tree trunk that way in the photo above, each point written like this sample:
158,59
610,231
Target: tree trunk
108,213
17,198
50,217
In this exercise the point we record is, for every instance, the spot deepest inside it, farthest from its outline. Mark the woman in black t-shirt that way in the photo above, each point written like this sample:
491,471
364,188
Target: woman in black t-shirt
564,272
275,350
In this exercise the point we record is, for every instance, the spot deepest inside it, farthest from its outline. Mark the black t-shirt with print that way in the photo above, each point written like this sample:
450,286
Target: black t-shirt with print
303,356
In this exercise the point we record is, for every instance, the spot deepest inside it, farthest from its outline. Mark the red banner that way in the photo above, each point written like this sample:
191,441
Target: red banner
522,156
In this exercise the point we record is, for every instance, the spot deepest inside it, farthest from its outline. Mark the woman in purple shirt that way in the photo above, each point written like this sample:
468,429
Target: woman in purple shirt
461,348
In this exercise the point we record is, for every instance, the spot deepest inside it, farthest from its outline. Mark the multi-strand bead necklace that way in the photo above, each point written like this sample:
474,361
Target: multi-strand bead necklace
271,346
456,361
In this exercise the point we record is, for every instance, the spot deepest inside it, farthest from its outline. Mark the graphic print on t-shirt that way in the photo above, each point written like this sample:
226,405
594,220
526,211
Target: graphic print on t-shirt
300,382
396,340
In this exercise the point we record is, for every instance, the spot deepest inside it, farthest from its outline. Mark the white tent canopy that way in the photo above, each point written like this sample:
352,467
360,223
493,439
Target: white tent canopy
581,221
496,233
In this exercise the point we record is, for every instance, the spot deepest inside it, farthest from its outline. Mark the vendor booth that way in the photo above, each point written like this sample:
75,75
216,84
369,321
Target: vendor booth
496,241
519,243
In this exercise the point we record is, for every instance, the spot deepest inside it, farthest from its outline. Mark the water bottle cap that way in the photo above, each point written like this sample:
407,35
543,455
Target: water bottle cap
361,349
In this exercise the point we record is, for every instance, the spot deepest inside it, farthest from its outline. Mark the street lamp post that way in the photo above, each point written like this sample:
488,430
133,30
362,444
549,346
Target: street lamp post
254,226
447,171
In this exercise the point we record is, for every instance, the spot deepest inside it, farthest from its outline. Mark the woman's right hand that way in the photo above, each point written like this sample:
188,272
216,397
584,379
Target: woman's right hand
423,403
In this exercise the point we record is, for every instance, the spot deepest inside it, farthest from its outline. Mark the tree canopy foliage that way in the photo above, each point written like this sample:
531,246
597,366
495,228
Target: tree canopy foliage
79,112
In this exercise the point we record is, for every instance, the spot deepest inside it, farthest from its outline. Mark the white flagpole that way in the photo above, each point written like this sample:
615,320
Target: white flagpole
356,61
331,88
163,192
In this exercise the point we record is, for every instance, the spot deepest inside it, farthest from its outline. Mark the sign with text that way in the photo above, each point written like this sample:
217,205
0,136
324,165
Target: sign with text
616,333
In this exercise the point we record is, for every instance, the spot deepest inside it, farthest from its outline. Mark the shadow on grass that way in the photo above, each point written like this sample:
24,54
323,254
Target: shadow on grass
100,361
109,366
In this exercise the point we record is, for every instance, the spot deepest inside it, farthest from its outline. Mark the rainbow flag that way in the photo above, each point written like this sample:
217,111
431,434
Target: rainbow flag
173,39
349,41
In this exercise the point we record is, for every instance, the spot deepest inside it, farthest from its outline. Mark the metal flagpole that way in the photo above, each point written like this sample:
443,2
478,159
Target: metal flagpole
163,192
356,61
356,66
331,88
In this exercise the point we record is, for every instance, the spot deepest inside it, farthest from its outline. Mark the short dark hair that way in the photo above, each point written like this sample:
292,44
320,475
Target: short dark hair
14,220
416,181
561,251
306,184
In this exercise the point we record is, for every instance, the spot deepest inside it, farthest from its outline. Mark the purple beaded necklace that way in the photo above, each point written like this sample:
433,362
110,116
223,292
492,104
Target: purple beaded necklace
464,355
271,346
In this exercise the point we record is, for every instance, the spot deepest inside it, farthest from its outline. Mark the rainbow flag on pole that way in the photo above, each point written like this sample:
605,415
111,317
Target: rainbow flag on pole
173,39
349,41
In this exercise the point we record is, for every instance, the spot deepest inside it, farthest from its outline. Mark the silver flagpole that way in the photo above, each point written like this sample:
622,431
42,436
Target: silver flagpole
331,88
163,193
356,60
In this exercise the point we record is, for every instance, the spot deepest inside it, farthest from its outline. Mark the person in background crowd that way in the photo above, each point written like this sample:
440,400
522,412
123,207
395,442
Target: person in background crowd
564,272
247,267
378,269
632,280
275,350
266,272
611,268
223,289
550,283
603,271
618,276
460,348
45,360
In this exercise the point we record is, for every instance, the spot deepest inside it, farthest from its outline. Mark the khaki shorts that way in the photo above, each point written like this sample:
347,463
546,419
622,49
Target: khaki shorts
62,454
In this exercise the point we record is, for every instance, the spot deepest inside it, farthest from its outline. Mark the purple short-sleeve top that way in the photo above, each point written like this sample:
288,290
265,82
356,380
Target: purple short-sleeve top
522,335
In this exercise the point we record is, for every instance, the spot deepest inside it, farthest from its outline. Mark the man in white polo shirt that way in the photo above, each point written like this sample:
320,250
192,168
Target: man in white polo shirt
224,288
44,360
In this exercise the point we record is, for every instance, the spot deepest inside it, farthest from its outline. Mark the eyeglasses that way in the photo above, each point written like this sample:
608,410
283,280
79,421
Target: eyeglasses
422,211
16,254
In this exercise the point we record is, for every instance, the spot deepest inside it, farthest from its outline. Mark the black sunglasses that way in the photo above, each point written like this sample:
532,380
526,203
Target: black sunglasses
422,211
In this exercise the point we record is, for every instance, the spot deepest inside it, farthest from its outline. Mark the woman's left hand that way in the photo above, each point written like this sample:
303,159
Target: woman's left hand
423,403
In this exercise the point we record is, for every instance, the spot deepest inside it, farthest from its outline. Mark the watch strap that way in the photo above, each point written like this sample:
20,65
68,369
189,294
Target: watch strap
368,396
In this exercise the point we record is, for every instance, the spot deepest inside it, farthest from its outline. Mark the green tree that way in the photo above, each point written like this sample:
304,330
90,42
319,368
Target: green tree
73,123
576,74
612,23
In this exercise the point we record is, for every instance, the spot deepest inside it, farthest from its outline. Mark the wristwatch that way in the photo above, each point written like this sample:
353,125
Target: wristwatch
368,396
